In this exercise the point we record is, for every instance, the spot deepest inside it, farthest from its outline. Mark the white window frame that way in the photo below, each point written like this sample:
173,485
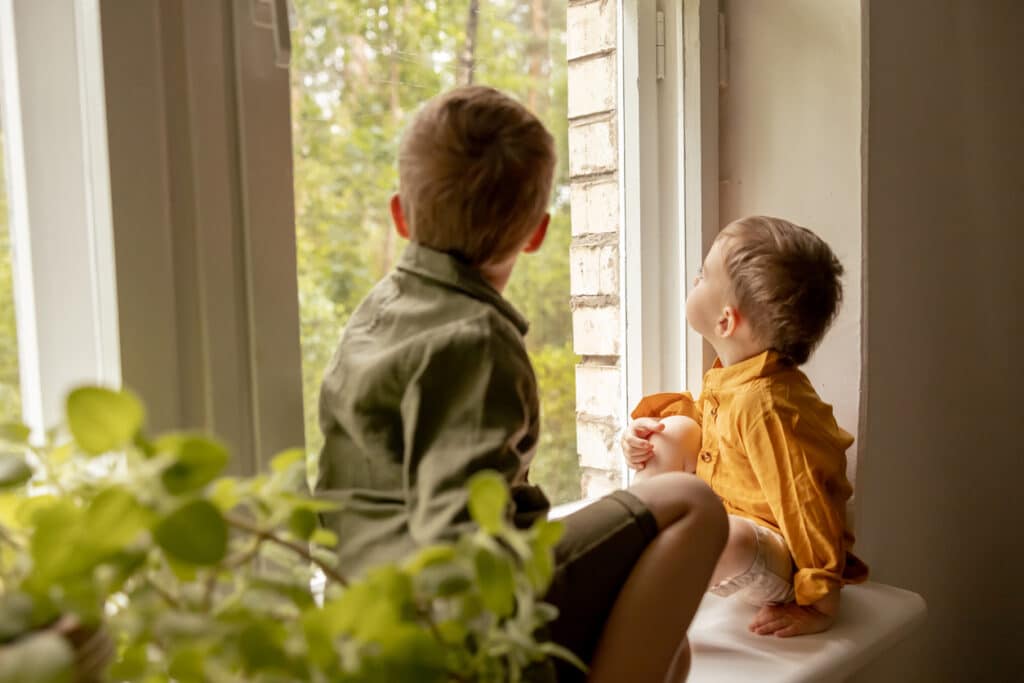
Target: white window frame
668,142
55,125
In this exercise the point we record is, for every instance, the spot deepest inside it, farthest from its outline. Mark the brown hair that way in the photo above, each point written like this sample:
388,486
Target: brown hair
786,281
475,170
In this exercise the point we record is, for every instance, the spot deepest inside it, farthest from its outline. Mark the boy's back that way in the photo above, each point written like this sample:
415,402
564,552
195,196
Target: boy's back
431,383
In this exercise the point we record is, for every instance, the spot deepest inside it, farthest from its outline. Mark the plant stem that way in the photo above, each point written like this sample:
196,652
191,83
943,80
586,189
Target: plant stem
244,525
162,592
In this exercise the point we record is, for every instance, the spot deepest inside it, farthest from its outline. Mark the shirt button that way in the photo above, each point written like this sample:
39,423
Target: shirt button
705,456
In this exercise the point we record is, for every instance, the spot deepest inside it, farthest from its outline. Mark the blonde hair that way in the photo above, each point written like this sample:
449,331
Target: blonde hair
786,280
475,169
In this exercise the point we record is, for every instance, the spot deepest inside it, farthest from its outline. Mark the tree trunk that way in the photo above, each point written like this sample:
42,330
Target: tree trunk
468,58
536,97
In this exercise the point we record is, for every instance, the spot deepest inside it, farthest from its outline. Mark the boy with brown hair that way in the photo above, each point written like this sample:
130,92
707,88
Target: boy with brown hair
759,435
432,383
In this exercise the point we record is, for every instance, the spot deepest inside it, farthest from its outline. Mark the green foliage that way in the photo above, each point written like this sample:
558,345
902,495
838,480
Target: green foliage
200,578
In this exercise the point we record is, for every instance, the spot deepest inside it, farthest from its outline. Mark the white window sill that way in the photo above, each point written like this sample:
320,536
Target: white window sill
873,618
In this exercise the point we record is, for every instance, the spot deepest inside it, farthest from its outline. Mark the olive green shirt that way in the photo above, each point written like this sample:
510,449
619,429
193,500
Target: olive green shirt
430,384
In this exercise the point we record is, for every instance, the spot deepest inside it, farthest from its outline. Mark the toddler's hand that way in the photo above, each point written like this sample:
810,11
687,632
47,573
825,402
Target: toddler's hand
636,445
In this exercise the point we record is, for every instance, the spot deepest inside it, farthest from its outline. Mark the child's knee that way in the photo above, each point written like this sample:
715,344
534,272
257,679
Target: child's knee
675,448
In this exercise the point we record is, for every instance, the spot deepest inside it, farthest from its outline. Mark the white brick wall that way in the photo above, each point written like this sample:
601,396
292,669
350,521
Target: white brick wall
595,206
592,86
594,254
594,269
590,28
592,148
595,330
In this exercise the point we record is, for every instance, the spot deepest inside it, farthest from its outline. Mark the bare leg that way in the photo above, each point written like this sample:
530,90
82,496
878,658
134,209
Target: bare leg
740,551
675,449
644,637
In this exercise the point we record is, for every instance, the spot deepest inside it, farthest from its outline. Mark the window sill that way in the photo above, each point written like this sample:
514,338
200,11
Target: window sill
873,618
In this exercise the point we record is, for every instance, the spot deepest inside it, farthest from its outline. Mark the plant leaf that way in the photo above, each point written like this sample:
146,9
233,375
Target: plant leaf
102,420
497,585
285,459
302,522
195,533
14,433
42,658
198,461
14,471
488,498
114,519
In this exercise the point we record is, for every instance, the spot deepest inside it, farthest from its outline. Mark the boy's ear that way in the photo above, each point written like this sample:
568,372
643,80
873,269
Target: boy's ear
537,238
398,217
727,322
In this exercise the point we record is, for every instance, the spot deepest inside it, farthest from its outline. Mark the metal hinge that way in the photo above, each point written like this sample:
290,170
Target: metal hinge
276,15
659,45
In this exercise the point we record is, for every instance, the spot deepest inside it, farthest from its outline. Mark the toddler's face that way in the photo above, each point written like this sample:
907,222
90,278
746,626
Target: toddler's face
710,294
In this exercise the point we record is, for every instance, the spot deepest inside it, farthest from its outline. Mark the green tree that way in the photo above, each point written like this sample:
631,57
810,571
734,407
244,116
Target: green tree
361,69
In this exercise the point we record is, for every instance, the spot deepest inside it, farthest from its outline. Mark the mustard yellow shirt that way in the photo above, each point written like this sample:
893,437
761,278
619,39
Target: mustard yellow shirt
772,451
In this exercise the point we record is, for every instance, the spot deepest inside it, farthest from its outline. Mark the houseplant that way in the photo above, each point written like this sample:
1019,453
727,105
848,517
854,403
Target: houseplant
130,557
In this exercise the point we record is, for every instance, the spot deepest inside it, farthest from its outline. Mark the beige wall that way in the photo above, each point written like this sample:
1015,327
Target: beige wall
790,146
942,468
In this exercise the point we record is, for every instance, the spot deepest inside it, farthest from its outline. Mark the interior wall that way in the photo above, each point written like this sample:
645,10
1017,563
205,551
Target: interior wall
939,507
790,146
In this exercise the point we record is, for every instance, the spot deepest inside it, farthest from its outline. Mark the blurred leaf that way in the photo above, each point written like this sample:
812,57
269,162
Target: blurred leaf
302,522
407,653
15,615
42,658
225,493
130,664
198,461
14,433
432,554
488,498
14,471
186,664
261,645
195,533
497,586
102,420
115,519
324,537
284,460
555,650
52,544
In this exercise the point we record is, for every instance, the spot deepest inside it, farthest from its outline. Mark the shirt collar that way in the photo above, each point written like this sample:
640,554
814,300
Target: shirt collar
762,365
449,271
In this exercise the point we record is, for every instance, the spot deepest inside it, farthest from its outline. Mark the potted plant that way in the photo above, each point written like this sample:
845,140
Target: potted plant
133,558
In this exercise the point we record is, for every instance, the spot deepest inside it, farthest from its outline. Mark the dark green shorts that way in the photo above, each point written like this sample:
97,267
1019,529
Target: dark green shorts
601,544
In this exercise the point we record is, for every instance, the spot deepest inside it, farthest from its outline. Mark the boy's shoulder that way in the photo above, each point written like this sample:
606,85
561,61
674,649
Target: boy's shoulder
406,311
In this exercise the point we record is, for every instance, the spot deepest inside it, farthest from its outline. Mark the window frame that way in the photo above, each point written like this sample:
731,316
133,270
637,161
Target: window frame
62,251
668,143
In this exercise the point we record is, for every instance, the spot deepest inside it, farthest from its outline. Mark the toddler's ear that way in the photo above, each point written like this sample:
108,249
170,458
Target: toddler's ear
728,320
398,216
537,238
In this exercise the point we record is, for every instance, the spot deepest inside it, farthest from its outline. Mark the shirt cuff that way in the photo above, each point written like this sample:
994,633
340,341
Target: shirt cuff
811,585
663,405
